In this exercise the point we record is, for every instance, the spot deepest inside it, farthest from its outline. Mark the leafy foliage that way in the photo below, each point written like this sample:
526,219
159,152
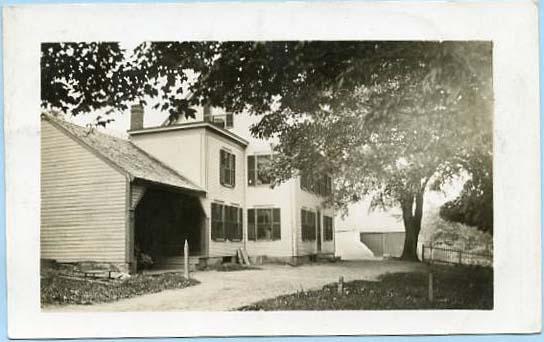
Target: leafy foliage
473,207
421,115
82,77
439,232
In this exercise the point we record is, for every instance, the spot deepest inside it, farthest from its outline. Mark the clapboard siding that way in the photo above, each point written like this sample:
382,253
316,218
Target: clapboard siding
83,209
281,198
216,192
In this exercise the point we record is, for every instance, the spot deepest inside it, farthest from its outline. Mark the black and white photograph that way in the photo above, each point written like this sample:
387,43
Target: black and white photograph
279,169
267,175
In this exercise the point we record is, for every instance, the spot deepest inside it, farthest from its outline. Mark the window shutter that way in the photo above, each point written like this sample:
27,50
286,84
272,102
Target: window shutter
328,228
251,170
276,224
313,218
218,227
228,222
233,170
222,167
251,224
303,224
240,225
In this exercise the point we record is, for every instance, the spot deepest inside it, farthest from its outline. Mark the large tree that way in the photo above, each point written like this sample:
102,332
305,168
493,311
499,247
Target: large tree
387,119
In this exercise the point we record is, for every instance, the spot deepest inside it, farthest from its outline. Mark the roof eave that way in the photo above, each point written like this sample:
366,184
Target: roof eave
184,190
206,125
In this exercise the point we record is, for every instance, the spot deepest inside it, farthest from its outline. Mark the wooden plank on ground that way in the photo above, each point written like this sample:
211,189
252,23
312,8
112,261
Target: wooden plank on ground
245,256
239,256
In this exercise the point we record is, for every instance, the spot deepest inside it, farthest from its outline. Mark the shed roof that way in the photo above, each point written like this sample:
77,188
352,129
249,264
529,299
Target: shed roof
126,156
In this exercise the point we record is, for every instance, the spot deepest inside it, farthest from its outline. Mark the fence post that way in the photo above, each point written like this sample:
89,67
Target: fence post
460,257
186,260
431,253
341,285
422,252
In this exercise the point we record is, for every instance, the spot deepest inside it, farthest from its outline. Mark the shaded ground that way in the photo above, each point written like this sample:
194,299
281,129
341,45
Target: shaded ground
454,287
219,291
58,289
231,267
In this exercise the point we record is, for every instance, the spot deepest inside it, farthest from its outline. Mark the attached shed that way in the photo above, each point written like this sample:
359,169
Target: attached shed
92,185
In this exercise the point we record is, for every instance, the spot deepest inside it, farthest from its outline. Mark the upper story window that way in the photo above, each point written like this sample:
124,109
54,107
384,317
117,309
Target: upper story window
226,223
322,187
220,120
308,224
263,224
227,168
327,228
256,169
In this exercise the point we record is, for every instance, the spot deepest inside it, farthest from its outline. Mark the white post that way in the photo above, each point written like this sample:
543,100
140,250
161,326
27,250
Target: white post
341,285
186,260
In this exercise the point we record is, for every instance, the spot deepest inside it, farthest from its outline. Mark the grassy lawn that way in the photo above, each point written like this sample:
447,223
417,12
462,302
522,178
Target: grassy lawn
455,287
57,289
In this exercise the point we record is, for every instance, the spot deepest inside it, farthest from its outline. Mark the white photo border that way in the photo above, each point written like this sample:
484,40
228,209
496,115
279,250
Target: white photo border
513,28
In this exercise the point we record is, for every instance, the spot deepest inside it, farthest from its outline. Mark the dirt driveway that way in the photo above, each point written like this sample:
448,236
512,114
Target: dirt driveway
220,291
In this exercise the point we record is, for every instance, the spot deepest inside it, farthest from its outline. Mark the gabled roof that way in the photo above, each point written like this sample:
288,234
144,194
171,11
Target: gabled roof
125,156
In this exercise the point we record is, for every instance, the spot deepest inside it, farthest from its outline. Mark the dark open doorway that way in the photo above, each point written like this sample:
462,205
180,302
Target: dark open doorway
164,220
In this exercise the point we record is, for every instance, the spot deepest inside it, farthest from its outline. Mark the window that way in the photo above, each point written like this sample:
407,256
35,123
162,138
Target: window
227,168
308,225
327,228
264,224
322,187
257,169
226,223
220,120
230,120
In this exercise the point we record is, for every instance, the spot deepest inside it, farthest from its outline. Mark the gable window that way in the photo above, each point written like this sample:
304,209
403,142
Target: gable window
227,168
308,225
226,223
321,186
327,228
263,224
257,167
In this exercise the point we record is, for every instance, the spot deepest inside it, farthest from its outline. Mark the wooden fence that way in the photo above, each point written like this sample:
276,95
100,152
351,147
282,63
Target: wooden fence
432,254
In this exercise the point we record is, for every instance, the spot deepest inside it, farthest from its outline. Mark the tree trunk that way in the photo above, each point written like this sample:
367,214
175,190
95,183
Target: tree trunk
409,251
412,224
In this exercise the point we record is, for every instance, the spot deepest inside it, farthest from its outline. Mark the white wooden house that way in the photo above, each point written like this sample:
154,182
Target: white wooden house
104,197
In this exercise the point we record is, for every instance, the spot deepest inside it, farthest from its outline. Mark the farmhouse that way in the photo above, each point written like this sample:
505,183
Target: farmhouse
106,199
